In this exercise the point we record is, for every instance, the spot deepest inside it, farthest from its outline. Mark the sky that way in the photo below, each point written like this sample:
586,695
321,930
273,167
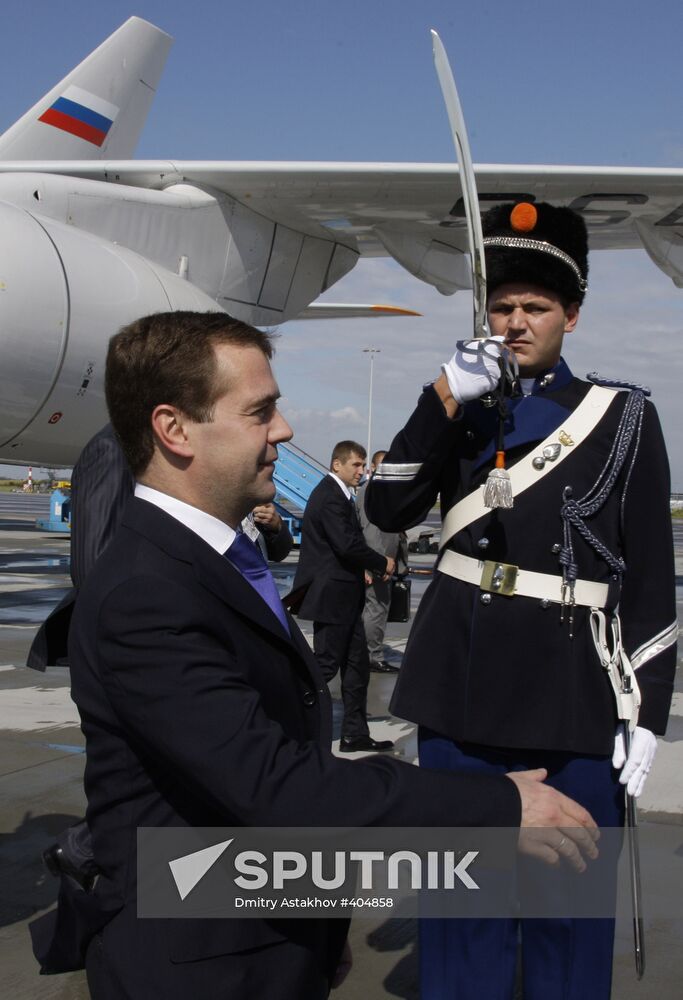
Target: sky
540,82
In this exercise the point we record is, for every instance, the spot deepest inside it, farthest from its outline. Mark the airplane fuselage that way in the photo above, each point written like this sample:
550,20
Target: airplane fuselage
107,254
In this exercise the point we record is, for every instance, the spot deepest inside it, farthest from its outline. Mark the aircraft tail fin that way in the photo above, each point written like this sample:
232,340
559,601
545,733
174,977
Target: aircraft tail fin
98,110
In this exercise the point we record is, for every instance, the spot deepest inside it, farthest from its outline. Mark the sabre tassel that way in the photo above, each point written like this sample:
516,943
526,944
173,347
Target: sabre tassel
498,488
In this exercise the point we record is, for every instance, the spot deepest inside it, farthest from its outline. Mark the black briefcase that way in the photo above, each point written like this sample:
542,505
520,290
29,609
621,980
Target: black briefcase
399,606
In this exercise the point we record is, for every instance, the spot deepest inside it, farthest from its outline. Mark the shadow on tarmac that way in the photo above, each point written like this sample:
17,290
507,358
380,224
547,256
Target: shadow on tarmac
26,886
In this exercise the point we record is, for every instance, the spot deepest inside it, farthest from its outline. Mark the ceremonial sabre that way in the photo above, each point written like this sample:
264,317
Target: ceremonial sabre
622,678
467,183
634,859
498,490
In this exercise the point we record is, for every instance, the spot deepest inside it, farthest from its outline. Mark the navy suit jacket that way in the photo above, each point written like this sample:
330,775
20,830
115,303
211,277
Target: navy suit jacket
332,558
101,484
198,709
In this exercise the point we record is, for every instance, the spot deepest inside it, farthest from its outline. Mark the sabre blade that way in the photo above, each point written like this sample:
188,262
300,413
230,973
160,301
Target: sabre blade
467,183
634,864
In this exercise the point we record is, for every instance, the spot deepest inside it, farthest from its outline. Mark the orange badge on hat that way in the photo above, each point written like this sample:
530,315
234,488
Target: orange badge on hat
523,217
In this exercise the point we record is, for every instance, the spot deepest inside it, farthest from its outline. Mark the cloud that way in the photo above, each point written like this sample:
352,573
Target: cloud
316,431
347,415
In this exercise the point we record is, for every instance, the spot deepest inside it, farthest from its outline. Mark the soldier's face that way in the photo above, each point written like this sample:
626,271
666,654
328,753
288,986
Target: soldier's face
533,322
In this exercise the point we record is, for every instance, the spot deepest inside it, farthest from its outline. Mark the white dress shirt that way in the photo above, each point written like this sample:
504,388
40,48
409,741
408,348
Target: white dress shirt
215,533
344,488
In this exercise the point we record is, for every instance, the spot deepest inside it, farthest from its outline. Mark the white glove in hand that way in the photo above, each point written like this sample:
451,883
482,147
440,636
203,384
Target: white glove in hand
636,768
474,369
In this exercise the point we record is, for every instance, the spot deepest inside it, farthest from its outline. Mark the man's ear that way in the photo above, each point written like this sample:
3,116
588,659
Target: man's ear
571,316
170,431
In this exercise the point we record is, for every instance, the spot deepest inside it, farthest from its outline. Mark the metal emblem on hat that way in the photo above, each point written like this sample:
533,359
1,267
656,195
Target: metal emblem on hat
566,439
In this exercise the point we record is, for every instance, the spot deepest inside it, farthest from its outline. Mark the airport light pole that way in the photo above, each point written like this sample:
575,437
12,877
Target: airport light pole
372,351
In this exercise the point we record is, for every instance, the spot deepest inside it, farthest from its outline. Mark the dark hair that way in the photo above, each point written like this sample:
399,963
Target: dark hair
343,450
168,358
376,456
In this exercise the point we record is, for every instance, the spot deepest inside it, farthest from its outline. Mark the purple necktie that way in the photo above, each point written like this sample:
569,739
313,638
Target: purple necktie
246,557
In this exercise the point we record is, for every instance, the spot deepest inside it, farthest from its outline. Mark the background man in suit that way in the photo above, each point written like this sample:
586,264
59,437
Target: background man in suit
332,562
101,483
378,590
265,527
199,698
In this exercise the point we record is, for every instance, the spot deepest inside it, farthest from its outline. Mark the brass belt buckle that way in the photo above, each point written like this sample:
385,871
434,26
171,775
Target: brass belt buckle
499,578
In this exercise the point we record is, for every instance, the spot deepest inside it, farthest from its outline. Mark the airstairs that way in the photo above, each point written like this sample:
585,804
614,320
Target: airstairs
296,475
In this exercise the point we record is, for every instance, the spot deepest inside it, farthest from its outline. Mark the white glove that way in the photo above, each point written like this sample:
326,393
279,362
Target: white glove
636,769
474,368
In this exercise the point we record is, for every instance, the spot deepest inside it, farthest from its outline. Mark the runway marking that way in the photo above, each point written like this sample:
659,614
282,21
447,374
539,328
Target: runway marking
677,704
17,585
663,791
30,709
66,747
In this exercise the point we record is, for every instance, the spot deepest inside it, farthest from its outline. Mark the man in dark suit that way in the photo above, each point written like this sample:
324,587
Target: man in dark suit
333,559
377,589
101,486
200,701
101,483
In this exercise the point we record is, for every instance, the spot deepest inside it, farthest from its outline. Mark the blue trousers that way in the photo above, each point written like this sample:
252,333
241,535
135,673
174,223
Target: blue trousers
562,959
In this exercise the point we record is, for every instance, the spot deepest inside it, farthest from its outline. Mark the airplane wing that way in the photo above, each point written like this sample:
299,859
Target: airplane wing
414,212
351,310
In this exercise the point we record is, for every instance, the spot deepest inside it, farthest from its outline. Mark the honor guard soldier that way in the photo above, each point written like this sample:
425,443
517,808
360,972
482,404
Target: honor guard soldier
556,535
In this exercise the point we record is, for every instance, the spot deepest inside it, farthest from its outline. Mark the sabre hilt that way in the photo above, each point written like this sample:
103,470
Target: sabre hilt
509,386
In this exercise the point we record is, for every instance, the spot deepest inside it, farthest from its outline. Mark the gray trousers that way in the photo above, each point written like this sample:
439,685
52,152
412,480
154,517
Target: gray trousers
377,598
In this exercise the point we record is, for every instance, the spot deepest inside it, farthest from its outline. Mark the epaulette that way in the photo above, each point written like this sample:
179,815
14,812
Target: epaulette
611,383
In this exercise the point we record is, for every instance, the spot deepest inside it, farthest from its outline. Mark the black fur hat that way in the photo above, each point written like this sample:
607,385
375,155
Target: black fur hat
539,244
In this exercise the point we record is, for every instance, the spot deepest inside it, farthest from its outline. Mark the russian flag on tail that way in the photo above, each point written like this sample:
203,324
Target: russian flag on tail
83,114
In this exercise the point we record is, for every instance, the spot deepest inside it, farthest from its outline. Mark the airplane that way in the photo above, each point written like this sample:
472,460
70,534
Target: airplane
92,239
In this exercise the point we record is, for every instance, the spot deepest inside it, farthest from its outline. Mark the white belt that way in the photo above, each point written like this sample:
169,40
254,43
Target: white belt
503,578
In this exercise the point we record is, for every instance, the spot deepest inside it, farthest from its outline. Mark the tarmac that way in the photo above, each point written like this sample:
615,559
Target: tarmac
41,769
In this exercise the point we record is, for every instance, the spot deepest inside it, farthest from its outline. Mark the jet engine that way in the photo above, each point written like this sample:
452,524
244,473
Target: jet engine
58,285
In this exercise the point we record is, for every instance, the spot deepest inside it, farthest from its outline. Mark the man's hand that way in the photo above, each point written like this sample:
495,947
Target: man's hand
267,517
368,577
554,828
636,768
474,369
391,566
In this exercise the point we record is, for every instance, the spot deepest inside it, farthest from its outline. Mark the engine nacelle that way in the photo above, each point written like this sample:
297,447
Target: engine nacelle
63,294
